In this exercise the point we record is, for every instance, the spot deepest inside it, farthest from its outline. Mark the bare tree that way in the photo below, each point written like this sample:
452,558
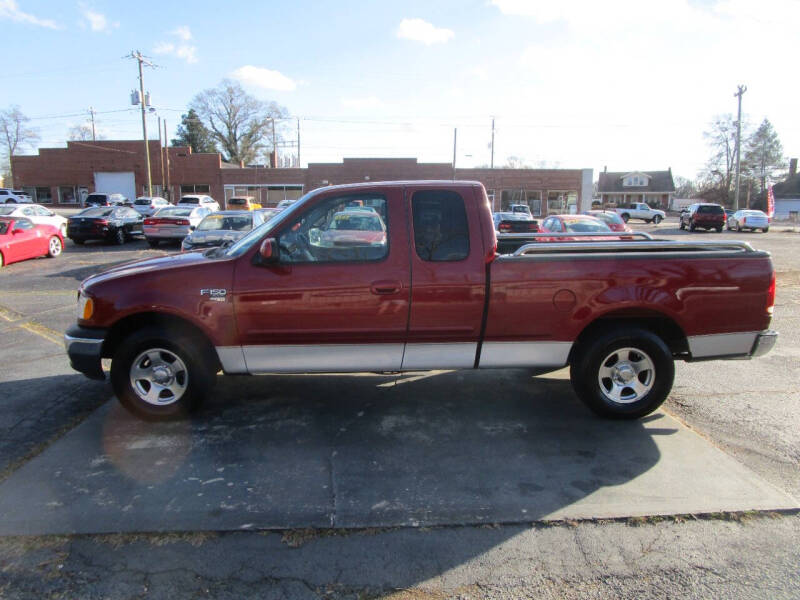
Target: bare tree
81,133
241,125
684,188
16,135
716,179
515,162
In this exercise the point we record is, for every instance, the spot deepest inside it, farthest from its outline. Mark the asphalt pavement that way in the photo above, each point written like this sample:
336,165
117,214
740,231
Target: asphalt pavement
413,491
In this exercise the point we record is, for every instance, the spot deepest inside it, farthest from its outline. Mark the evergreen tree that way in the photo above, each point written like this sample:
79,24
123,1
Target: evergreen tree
762,157
192,133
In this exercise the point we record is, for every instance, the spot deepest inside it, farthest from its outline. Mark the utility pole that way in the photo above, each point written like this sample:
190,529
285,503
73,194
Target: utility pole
455,141
142,60
741,90
161,155
166,151
491,164
299,164
91,113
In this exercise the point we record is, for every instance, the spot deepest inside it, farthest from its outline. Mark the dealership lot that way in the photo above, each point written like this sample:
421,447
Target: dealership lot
379,450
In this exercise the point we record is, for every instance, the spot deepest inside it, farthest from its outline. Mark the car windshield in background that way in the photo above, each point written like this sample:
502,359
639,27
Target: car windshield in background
96,212
7,210
708,209
609,218
142,202
189,200
175,212
585,226
237,201
753,213
226,222
356,222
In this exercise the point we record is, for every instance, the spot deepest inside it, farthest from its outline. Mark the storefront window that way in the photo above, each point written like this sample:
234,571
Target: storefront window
42,195
67,194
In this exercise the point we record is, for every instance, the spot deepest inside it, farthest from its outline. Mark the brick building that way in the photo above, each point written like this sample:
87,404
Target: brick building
64,176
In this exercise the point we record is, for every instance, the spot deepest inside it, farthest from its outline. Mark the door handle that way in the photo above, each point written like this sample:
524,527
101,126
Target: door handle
385,286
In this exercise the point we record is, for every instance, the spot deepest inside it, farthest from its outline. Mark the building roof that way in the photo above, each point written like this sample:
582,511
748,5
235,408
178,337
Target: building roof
788,188
659,181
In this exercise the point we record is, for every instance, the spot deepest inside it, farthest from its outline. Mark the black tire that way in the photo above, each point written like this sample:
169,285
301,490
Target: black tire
119,236
719,229
681,224
191,375
152,243
739,228
633,347
766,229
692,227
657,219
625,217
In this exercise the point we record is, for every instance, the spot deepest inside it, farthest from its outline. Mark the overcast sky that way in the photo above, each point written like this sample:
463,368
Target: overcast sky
624,83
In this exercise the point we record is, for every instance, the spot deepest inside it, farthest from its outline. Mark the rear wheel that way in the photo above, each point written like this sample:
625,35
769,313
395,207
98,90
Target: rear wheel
152,243
158,374
657,219
681,224
719,229
766,229
119,236
1,260
624,373
78,241
54,247
692,227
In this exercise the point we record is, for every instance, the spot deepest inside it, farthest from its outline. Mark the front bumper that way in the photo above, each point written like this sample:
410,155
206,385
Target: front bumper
84,348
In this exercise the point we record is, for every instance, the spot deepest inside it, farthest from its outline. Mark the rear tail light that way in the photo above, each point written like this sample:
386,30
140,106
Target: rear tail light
744,220
149,221
182,222
102,222
505,227
771,295
534,227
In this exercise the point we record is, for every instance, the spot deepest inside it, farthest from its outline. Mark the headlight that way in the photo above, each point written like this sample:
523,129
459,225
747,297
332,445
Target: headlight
85,307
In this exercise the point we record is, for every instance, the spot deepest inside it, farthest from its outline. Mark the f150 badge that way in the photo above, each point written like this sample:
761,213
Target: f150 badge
216,294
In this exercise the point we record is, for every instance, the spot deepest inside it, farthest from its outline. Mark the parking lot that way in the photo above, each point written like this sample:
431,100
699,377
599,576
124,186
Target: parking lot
425,484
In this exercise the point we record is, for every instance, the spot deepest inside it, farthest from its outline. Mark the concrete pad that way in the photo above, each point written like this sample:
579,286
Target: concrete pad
371,451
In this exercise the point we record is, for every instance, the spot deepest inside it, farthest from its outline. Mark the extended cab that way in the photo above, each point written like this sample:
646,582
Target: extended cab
640,210
418,284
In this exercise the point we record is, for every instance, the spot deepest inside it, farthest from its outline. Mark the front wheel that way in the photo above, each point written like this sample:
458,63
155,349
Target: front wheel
158,374
54,247
692,227
625,373
119,236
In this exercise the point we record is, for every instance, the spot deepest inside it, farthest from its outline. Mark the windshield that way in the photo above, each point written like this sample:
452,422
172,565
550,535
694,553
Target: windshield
226,222
190,200
7,210
142,202
586,226
96,198
356,222
710,209
96,212
237,201
175,212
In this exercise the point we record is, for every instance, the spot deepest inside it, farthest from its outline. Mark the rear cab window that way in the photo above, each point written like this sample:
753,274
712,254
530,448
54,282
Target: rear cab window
441,232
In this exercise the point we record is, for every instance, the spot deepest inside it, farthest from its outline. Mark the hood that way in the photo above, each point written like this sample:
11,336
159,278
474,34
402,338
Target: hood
162,263
213,237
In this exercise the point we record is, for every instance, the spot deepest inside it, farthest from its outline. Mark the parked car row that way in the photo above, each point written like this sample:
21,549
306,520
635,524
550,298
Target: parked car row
706,215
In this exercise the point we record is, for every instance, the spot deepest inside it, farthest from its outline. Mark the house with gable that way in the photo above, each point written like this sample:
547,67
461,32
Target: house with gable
655,188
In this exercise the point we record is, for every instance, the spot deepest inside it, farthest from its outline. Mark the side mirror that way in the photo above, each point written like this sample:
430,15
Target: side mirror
268,252
192,227
16,231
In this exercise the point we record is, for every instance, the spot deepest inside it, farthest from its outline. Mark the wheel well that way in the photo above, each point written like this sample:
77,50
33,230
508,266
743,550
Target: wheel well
659,324
173,326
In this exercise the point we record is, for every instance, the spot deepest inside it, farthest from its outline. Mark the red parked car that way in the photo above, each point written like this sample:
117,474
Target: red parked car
21,239
577,224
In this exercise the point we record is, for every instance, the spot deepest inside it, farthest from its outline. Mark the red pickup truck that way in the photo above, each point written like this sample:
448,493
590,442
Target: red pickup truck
432,293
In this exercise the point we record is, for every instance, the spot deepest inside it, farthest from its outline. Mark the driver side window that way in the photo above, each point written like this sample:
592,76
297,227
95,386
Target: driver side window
352,228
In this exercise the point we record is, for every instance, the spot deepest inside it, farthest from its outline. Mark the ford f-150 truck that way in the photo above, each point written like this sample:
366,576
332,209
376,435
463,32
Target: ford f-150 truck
420,285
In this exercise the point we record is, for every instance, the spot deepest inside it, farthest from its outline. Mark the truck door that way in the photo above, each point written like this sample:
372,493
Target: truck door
338,299
447,278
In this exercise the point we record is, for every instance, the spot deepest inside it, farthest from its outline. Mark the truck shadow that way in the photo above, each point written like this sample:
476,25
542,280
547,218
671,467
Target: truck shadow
342,451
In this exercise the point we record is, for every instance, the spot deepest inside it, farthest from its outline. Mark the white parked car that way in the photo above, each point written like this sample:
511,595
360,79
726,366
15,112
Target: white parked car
8,196
748,219
35,213
204,201
147,205
173,223
285,204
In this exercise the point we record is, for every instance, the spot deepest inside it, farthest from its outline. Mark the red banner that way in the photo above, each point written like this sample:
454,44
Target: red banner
770,202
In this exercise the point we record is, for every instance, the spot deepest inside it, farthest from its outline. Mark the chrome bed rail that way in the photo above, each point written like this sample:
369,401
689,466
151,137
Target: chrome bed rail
622,246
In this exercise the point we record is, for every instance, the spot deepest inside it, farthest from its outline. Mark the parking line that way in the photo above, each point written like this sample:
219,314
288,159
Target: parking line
50,335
